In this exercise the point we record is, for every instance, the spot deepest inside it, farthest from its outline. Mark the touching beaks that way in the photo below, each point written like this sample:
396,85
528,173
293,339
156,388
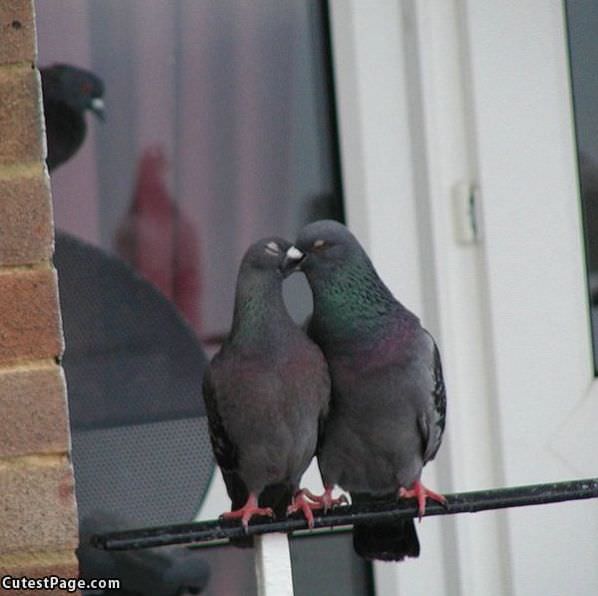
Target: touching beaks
292,260
294,254
97,107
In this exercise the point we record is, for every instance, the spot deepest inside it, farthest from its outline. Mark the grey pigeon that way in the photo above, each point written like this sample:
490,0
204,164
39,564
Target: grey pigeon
388,398
266,392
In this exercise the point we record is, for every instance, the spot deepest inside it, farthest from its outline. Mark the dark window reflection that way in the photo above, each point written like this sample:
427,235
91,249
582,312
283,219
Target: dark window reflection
217,129
217,132
582,23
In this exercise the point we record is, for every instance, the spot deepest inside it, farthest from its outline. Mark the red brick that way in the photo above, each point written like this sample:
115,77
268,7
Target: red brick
21,116
17,31
43,565
34,414
26,218
29,315
37,509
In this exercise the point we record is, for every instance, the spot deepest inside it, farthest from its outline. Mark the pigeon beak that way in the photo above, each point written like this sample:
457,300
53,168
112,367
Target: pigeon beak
292,261
97,107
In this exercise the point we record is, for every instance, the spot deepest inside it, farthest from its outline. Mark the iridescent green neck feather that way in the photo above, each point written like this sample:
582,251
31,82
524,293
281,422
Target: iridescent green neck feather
350,298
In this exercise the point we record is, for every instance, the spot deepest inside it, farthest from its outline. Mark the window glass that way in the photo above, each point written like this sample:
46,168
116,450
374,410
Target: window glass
582,25
217,132
217,128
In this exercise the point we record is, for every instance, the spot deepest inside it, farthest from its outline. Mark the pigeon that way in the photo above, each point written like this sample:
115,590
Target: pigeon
266,392
388,404
68,92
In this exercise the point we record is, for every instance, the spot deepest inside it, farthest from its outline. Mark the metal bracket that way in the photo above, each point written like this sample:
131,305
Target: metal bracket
465,202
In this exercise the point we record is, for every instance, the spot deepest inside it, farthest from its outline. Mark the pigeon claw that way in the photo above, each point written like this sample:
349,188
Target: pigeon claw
248,510
420,492
325,501
301,502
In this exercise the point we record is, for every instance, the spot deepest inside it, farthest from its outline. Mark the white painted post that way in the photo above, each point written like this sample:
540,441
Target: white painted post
273,565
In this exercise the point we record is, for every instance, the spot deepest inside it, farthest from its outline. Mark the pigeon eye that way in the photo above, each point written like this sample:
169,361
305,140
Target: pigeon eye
319,245
272,248
86,88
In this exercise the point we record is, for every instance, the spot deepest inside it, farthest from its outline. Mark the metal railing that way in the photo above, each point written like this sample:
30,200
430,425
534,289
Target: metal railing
272,553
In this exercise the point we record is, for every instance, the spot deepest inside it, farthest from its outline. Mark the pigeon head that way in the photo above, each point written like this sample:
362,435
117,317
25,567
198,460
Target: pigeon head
258,296
344,283
268,254
323,245
78,88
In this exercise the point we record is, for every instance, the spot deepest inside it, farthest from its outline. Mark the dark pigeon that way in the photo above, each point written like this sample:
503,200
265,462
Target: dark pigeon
68,92
388,398
266,391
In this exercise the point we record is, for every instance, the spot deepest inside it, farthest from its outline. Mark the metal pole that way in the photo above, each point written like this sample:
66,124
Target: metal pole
273,565
471,502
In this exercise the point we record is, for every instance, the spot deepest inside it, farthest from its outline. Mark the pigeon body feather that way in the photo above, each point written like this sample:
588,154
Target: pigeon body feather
381,385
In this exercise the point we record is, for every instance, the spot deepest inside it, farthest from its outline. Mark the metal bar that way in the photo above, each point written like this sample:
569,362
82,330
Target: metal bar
273,565
470,502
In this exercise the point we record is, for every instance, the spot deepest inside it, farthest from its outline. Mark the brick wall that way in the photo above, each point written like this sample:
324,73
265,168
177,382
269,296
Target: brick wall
38,522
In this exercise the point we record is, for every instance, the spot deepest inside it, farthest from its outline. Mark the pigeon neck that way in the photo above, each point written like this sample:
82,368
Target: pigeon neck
259,306
351,300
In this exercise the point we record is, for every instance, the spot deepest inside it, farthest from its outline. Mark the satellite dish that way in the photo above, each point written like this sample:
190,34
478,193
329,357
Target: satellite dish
134,368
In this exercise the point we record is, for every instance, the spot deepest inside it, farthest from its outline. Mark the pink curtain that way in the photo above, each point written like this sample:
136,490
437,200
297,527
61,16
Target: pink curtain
215,135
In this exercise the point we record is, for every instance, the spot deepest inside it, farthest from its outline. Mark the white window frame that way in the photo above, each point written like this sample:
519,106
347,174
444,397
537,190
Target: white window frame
436,97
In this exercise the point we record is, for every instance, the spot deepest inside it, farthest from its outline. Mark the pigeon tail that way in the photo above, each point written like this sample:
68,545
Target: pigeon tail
386,541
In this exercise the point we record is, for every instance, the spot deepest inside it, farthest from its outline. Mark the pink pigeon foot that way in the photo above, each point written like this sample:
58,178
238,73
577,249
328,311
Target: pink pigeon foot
248,511
420,492
325,501
301,503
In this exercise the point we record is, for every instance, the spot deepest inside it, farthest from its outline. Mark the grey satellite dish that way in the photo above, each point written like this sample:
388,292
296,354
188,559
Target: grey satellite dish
134,369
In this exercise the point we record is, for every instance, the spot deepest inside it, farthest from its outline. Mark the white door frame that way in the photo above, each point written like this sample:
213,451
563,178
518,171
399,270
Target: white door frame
437,96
